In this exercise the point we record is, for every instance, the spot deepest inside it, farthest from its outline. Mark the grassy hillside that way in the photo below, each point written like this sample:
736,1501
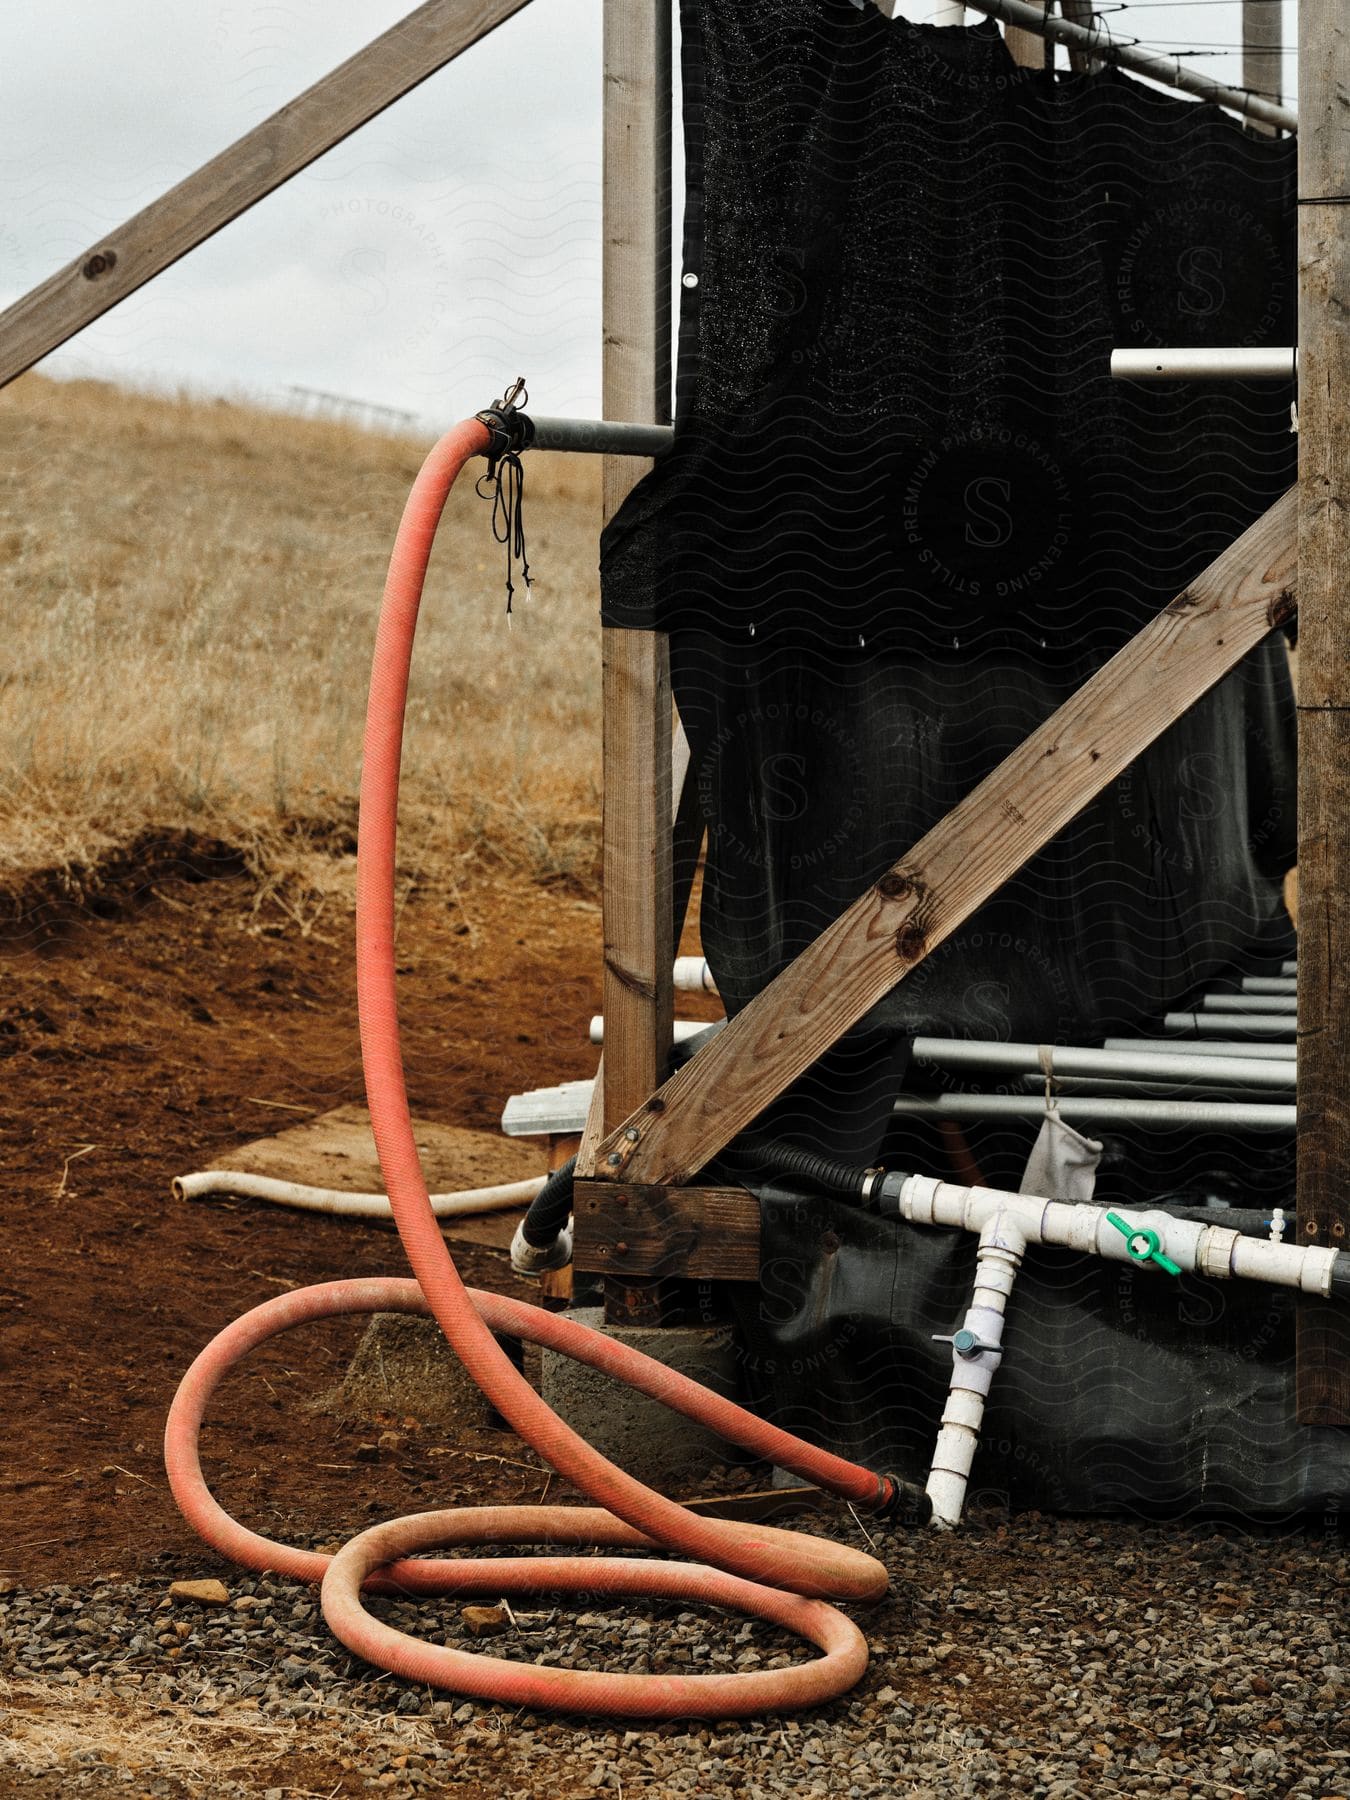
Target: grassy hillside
190,593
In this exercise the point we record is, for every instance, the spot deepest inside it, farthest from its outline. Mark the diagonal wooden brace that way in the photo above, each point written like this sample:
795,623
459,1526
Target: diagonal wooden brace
965,858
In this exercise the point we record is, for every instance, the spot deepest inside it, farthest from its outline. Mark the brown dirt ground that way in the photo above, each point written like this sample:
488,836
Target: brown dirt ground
147,1043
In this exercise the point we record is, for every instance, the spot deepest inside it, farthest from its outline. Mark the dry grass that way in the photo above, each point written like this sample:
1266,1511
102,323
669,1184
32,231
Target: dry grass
210,1748
191,592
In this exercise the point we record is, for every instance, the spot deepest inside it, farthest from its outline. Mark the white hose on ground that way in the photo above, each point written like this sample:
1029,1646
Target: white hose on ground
350,1206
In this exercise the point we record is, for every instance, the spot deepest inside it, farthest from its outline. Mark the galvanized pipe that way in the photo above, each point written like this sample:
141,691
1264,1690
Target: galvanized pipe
1272,1005
1206,1115
1230,1024
960,1053
598,437
1183,1047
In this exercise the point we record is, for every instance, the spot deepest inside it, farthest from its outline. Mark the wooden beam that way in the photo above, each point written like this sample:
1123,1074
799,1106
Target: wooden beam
1261,46
1027,48
1324,693
698,1234
965,858
639,948
129,256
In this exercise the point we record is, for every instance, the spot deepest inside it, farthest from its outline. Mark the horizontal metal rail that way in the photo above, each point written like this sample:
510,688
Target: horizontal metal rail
1230,1024
599,437
1269,1005
1205,1115
1171,1047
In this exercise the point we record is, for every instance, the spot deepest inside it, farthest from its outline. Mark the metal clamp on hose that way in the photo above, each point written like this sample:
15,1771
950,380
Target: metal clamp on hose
509,428
906,1503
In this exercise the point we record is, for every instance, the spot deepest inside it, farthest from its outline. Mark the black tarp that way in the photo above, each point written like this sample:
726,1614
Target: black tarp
907,512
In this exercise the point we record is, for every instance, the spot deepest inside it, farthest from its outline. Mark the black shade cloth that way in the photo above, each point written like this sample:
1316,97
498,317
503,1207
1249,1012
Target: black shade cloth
908,512
1120,1390
895,416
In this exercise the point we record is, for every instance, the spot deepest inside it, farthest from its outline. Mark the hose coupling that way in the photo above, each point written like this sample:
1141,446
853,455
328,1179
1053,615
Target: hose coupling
510,428
902,1502
883,1194
534,1259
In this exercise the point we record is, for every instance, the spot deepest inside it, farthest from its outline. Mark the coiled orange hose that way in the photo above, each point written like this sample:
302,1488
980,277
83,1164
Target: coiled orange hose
777,1575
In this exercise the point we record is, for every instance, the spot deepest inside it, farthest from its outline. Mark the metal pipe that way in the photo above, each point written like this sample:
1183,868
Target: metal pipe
1270,1005
1163,1062
1205,1115
959,1053
1261,362
1230,1024
1171,1047
1165,69
1160,1088
599,437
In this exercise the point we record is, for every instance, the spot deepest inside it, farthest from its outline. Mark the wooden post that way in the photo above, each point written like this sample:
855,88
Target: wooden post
1261,46
126,258
637,900
1324,691
1027,49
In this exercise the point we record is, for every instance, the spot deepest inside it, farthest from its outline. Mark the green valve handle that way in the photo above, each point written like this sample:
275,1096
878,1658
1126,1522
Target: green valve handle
1142,1244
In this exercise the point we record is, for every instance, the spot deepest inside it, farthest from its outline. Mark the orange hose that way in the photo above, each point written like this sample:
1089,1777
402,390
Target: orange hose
754,1564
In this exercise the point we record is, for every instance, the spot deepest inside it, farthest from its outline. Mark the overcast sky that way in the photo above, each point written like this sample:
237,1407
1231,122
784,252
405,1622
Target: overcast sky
451,243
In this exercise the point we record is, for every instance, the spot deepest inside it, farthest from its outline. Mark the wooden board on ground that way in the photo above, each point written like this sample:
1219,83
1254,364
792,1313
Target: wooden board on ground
337,1150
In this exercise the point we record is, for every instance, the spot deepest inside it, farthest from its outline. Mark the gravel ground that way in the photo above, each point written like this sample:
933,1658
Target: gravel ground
1028,1656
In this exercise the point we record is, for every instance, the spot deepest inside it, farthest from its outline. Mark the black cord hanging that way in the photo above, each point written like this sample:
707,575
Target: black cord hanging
504,482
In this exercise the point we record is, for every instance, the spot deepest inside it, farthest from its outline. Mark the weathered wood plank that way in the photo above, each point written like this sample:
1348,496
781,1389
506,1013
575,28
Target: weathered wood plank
639,948
966,858
1262,52
702,1234
1028,49
126,258
1324,695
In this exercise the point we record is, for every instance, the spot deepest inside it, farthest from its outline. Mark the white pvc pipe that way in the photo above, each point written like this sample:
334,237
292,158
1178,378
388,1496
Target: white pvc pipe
693,976
1165,69
1240,363
350,1206
1006,1224
1270,984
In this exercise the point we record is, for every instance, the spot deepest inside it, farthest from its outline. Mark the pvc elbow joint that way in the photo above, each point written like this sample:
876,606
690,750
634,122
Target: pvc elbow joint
534,1259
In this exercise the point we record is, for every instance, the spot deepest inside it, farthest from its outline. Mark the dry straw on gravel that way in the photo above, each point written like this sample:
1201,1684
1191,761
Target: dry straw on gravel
190,600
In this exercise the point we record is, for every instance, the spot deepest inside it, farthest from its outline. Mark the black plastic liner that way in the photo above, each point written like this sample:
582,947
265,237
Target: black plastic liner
1121,1389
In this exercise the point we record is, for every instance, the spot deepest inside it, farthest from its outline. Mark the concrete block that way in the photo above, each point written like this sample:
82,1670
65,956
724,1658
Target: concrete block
641,1435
